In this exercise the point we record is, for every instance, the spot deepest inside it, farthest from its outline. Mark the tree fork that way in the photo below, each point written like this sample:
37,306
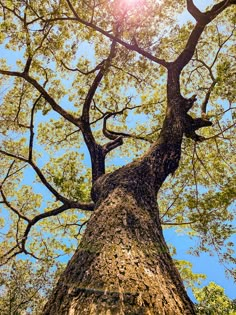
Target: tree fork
123,265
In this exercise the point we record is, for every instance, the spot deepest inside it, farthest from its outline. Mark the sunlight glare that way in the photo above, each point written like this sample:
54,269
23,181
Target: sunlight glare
123,7
134,3
130,3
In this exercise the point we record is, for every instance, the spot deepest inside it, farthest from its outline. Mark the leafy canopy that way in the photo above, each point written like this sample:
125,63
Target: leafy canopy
102,61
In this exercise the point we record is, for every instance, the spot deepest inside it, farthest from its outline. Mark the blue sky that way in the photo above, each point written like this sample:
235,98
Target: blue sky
205,264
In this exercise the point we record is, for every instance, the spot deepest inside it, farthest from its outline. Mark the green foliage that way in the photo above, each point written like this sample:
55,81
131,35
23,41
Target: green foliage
190,278
212,300
25,285
65,57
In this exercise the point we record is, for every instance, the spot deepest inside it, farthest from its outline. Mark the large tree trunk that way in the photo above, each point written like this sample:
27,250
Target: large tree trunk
123,265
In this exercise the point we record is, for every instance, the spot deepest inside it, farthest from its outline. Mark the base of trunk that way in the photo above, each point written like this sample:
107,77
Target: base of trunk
122,265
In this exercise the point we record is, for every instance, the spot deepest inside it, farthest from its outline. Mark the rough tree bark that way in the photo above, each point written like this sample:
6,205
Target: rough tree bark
123,265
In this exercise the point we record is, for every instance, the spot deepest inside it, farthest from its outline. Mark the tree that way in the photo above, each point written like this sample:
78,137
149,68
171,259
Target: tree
142,61
212,300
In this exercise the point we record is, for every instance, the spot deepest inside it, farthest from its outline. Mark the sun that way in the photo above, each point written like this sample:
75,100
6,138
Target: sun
123,8
124,5
131,4
131,1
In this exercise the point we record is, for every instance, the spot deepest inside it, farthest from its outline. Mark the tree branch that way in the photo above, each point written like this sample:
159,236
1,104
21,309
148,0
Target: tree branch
71,203
194,11
96,151
220,133
7,203
31,140
98,67
95,84
202,20
132,47
178,223
47,97
218,8
48,214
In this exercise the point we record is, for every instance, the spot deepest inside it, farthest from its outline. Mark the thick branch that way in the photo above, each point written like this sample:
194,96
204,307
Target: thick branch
202,20
108,147
191,125
194,11
218,8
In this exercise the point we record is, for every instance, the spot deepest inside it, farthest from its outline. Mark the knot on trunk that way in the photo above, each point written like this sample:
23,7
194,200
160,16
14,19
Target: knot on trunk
189,102
193,124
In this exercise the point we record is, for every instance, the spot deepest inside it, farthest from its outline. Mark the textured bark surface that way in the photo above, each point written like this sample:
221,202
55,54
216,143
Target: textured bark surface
123,265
